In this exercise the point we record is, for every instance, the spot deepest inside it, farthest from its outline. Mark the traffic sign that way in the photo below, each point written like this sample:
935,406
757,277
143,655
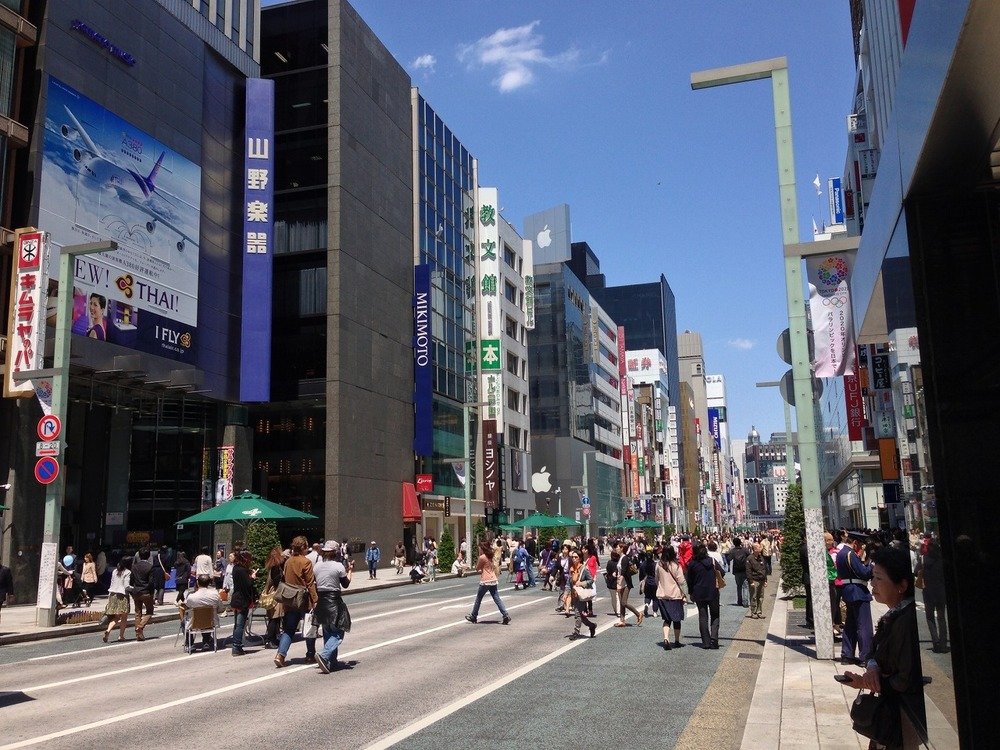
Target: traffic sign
47,448
585,501
46,470
49,427
586,511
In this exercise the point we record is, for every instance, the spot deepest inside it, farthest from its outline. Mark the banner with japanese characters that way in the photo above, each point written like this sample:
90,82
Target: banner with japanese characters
528,251
488,300
28,296
830,309
258,247
491,465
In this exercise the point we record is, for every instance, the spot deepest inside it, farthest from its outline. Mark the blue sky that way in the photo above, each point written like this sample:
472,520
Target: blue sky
589,103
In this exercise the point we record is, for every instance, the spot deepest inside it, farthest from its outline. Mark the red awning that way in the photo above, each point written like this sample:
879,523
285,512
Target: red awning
411,506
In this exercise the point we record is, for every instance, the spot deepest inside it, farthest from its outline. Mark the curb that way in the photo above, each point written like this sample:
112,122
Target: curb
61,631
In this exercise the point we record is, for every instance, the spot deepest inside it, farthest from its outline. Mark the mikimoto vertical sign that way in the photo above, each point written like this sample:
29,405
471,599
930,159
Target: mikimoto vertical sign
28,294
258,241
423,363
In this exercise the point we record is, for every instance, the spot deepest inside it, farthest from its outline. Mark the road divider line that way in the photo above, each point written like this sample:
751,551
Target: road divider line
442,713
416,607
123,670
222,690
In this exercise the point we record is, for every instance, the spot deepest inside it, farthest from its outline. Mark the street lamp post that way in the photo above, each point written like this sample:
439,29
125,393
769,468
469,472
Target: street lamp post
777,70
45,612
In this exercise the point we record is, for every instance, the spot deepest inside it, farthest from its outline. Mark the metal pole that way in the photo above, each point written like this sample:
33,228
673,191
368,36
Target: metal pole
466,443
777,70
586,493
45,612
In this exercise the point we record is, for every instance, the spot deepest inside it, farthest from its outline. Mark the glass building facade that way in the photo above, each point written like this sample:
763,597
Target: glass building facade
445,195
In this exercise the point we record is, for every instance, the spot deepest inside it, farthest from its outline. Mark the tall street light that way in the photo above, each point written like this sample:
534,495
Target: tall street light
777,70
45,612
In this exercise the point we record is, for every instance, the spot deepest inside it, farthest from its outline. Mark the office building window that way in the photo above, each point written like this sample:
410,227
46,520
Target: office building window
510,292
509,257
511,328
513,400
514,437
512,363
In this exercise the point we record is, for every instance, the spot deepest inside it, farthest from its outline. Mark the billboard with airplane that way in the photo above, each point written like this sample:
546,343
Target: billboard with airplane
104,179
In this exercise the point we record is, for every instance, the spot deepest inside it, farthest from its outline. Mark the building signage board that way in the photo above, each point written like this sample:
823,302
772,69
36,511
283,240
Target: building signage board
28,297
491,465
830,307
423,363
258,242
868,162
487,254
836,194
528,256
425,482
224,484
714,426
881,372
104,179
855,407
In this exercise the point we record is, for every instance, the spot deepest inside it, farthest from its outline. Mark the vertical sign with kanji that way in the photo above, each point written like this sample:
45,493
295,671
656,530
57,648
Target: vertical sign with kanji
528,251
258,244
491,465
488,294
28,294
855,407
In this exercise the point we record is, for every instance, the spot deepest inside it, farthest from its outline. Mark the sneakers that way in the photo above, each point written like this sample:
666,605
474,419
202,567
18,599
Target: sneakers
310,658
239,652
324,665
506,620
470,618
279,660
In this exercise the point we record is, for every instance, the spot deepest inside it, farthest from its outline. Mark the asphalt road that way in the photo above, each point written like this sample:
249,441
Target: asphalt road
423,678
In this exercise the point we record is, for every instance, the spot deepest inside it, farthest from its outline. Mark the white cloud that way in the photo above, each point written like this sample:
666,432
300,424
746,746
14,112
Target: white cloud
742,344
424,62
517,53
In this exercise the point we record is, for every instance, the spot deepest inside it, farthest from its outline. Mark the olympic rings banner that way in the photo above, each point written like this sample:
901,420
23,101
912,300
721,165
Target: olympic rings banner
830,308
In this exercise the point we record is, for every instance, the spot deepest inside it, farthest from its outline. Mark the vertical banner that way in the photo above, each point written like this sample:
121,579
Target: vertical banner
830,308
491,465
855,407
258,242
490,319
423,371
836,194
528,253
224,484
714,426
28,296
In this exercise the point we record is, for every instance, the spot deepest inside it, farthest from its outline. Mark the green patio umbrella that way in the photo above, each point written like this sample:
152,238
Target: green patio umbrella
248,507
510,527
631,523
537,521
566,521
651,524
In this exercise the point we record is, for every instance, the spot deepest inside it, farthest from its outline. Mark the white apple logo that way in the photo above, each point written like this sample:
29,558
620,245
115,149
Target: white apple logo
545,237
540,481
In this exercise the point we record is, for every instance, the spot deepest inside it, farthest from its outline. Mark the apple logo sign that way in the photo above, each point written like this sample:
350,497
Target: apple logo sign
540,481
545,237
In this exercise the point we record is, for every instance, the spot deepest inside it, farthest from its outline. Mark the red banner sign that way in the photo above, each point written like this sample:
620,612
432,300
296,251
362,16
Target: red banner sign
855,407
425,482
491,465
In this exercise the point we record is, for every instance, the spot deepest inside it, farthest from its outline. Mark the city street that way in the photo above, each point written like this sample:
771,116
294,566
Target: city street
423,678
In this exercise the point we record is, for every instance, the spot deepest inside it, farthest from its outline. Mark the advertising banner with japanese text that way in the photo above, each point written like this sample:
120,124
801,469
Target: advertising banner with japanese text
104,179
258,247
28,301
490,318
491,465
830,309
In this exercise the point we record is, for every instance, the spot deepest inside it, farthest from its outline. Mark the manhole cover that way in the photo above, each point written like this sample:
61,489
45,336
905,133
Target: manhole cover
744,655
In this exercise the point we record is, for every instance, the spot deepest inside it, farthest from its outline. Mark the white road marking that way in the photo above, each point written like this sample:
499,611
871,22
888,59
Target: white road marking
433,718
416,606
226,689
489,601
74,680
431,591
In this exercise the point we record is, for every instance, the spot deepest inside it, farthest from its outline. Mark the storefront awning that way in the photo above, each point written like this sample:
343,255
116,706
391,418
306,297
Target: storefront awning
411,506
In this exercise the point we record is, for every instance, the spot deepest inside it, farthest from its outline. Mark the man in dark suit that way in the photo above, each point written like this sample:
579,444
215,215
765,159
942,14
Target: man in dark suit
855,574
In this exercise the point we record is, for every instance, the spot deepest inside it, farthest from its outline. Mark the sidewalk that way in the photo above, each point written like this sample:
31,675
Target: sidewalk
17,623
797,703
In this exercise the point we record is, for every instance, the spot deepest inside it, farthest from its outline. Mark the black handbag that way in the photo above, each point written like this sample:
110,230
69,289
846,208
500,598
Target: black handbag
877,718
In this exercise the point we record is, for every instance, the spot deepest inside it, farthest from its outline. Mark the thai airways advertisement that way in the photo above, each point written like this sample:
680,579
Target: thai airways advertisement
104,179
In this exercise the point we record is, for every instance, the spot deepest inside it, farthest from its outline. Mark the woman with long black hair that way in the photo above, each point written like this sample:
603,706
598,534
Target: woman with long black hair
701,580
671,593
487,583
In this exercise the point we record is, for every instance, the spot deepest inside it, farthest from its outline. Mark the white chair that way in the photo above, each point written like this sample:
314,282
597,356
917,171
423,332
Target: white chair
201,620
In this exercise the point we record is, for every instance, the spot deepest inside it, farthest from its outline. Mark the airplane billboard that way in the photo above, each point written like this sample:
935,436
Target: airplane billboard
104,179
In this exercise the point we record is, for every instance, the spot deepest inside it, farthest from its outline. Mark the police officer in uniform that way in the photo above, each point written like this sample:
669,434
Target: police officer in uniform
855,574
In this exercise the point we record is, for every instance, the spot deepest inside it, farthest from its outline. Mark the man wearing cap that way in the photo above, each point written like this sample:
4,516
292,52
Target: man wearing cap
372,557
855,574
332,576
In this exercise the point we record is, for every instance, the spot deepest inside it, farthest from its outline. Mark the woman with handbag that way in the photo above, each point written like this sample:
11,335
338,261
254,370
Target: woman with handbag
671,593
647,575
896,717
89,576
623,568
117,607
703,584
297,592
275,610
582,593
593,563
